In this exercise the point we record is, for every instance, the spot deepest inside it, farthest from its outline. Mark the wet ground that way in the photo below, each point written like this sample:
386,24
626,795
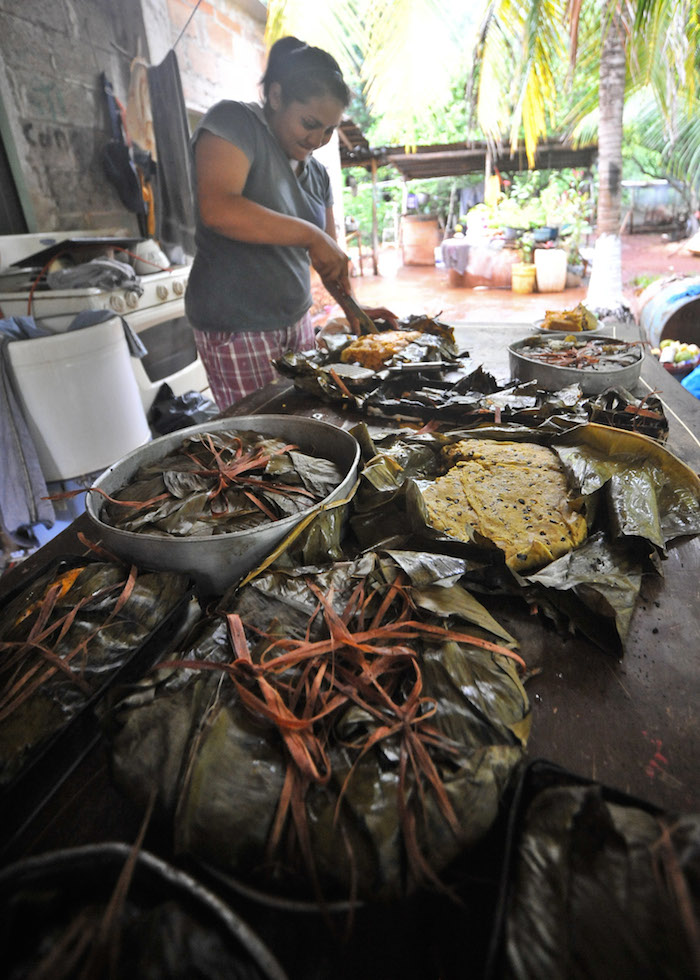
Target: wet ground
426,289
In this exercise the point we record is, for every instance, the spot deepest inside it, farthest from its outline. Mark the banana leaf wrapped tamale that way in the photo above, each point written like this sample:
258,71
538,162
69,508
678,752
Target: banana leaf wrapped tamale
602,887
220,482
63,638
634,495
338,731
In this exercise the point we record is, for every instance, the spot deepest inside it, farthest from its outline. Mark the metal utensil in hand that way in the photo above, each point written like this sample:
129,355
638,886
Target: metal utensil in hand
351,308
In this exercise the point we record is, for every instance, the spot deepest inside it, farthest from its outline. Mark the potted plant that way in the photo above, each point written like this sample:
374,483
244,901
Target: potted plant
524,273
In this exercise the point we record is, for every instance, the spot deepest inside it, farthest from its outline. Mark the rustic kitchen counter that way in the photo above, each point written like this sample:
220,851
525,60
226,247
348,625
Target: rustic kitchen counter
631,723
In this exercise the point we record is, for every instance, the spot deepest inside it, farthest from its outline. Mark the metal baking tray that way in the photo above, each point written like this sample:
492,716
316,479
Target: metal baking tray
51,762
592,380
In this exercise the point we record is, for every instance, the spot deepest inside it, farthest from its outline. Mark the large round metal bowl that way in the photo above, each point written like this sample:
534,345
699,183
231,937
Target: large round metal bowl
218,561
592,380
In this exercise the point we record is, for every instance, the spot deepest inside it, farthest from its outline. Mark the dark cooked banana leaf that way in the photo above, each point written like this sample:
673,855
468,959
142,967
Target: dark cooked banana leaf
221,482
222,768
650,493
603,890
63,638
638,496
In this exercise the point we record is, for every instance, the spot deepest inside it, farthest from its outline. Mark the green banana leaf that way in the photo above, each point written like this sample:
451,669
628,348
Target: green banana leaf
63,638
637,498
370,827
602,889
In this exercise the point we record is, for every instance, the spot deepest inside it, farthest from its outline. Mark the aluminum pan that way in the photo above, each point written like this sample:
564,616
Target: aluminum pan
552,378
217,562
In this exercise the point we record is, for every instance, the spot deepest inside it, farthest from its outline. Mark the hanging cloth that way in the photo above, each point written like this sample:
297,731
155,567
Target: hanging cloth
172,135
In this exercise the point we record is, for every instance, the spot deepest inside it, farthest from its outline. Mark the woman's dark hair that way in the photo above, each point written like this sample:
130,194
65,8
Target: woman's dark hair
303,72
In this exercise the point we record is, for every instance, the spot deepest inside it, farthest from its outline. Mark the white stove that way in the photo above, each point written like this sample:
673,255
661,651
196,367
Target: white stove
157,314
163,293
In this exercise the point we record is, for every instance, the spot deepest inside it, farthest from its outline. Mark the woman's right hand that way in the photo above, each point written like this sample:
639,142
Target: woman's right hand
329,260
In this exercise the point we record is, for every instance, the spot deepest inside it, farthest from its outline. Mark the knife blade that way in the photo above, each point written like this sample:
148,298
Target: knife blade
351,309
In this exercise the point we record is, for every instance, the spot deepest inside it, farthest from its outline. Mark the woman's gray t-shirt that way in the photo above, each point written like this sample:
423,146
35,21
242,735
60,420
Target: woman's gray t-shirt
235,286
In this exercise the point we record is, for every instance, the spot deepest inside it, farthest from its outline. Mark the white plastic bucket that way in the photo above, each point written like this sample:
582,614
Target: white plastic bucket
550,264
80,398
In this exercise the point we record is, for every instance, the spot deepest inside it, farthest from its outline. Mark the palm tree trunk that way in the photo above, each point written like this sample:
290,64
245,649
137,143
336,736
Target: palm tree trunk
605,289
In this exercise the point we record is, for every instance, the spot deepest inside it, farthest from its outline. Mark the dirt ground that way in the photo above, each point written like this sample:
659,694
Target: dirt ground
425,289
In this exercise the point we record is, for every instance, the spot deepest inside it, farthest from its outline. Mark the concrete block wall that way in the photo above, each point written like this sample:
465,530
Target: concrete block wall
221,53
53,116
55,120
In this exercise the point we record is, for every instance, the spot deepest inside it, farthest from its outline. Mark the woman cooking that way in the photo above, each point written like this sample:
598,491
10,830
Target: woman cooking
264,212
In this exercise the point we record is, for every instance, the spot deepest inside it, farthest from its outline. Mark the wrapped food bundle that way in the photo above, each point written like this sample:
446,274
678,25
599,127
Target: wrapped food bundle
618,498
339,732
220,482
63,639
110,910
602,888
570,321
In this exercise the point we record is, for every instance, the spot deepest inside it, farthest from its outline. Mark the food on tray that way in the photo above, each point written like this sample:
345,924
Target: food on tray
573,352
221,482
374,350
603,882
677,357
570,321
63,638
513,494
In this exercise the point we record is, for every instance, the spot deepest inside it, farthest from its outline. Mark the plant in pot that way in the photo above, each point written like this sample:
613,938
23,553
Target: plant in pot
523,273
511,218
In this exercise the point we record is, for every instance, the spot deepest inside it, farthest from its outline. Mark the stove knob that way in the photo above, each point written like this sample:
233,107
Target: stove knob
132,300
162,291
117,303
178,288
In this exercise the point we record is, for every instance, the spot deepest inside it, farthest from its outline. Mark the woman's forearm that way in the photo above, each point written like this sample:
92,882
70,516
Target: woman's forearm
244,220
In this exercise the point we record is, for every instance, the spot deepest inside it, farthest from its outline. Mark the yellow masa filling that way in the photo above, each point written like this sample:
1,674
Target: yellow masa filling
513,495
375,349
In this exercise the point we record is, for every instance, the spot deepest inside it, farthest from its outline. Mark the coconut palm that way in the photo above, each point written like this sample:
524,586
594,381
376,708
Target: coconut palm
520,53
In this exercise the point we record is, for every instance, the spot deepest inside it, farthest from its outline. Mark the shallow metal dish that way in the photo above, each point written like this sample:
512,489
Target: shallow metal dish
217,562
552,378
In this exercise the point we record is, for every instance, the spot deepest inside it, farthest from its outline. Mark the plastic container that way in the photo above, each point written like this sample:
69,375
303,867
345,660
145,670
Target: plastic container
523,277
80,398
670,310
420,235
550,264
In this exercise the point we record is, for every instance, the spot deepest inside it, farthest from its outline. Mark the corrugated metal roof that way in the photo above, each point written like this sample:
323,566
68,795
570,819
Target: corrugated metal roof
454,159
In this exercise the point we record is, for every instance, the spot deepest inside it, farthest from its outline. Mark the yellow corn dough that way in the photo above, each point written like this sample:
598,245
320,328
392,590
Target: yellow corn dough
373,350
512,494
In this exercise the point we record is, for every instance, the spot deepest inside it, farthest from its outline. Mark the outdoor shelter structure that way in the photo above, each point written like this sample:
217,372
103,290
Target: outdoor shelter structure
450,160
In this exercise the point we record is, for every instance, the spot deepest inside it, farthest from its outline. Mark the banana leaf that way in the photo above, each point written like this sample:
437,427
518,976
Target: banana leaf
63,639
602,889
637,497
650,493
283,754
221,482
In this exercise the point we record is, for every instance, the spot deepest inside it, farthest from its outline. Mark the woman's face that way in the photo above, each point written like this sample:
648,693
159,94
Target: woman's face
301,127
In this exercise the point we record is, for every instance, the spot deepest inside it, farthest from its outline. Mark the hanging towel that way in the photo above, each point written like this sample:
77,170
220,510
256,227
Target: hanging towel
88,318
22,483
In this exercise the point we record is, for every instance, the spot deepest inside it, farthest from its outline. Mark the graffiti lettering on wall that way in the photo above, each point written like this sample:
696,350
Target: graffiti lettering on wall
46,101
45,136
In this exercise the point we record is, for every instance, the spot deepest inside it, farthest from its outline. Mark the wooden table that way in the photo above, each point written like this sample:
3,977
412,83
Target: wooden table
631,723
